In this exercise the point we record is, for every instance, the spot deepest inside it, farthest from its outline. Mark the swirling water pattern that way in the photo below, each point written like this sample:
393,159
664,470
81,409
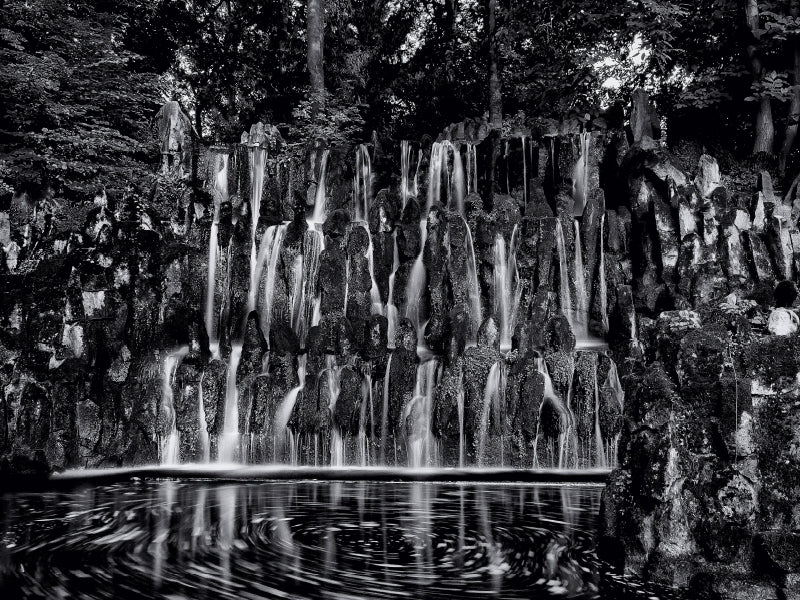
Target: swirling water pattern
305,539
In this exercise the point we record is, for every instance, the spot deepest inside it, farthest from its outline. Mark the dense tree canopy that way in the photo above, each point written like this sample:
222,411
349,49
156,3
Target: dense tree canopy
81,81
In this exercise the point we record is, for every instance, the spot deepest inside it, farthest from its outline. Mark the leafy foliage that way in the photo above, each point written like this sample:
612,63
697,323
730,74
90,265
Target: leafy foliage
81,81
75,113
338,123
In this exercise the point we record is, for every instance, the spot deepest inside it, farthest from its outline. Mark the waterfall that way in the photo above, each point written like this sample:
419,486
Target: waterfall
475,311
313,243
414,290
581,317
603,290
258,163
492,397
601,459
202,425
284,412
438,164
614,386
418,279
507,291
271,254
559,454
408,184
333,376
374,292
320,198
362,183
295,301
170,444
458,181
580,175
460,406
220,195
563,273
364,437
385,409
229,439
391,308
422,450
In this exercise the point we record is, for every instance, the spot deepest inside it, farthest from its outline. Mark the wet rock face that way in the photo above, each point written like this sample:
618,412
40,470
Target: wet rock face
704,465
691,285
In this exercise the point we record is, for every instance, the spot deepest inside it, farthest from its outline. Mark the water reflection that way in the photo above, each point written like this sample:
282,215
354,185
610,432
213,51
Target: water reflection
200,539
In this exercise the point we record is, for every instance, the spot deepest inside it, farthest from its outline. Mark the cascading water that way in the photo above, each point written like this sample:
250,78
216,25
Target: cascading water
507,291
367,417
580,174
202,426
170,444
271,248
421,443
374,292
229,438
458,185
556,448
313,245
614,390
391,307
580,318
258,163
602,288
475,310
564,297
219,196
362,183
296,298
408,184
320,197
294,271
385,410
492,399
284,411
462,438
333,376
418,279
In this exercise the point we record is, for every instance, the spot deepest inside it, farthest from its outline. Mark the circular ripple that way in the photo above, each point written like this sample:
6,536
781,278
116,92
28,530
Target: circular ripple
304,540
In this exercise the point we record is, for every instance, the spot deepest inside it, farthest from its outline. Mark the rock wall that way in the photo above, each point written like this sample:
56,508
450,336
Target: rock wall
585,303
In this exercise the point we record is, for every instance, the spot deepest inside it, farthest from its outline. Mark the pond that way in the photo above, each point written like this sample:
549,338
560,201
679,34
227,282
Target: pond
305,539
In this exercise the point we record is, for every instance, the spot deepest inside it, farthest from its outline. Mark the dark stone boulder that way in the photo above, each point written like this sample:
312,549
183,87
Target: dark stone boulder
449,392
785,294
374,345
347,409
559,335
525,394
402,373
332,274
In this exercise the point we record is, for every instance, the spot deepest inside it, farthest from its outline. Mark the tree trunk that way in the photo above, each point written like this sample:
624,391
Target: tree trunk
765,130
495,91
315,36
794,108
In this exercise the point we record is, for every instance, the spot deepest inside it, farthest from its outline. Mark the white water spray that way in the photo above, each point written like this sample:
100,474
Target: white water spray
170,444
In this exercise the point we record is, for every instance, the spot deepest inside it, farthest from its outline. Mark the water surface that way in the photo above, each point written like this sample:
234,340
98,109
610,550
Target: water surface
303,539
